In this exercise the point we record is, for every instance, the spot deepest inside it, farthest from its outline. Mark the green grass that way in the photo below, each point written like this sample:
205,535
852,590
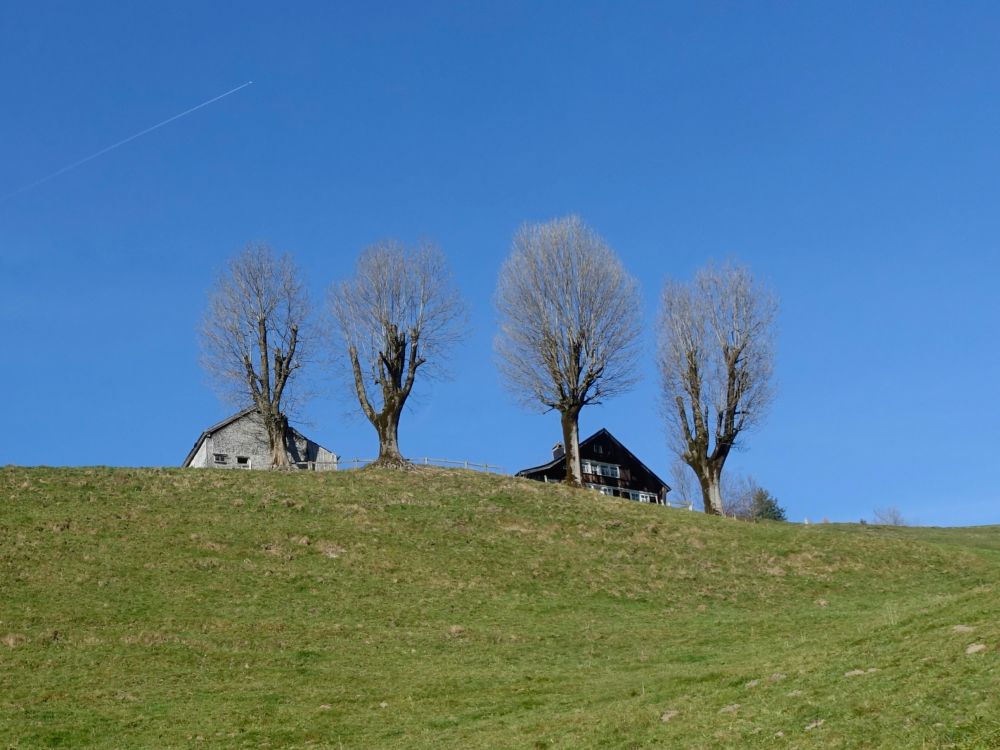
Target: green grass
443,609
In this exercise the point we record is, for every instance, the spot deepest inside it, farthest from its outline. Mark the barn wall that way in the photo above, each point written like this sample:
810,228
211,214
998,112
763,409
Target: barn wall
244,437
247,437
200,459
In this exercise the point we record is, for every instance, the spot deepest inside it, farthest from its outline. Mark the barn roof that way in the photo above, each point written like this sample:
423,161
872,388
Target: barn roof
215,428
225,423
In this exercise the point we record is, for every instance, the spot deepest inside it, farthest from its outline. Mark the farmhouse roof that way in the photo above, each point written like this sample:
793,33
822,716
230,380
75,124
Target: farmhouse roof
603,432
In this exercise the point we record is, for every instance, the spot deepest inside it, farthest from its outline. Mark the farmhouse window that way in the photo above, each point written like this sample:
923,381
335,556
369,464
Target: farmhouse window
604,470
220,458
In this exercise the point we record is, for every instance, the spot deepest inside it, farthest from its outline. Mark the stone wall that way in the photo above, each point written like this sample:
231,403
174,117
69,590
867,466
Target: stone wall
243,444
245,438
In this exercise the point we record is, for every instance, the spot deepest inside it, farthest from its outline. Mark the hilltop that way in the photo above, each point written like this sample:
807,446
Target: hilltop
446,609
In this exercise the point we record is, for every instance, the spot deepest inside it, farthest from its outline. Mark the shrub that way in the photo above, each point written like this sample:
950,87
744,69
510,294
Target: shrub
764,506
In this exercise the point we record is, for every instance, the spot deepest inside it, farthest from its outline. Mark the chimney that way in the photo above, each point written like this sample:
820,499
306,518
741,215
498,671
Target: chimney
557,451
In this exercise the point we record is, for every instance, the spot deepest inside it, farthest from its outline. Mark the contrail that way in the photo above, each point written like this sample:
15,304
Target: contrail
122,142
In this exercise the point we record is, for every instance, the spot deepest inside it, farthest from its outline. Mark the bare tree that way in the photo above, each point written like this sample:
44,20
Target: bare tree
569,324
681,482
738,491
716,362
251,336
889,516
745,499
398,315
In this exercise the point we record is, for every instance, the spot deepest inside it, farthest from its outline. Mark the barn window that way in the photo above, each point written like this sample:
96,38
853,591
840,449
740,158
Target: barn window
243,460
220,458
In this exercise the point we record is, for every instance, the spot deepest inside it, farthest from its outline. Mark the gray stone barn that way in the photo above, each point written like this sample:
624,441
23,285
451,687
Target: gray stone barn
240,442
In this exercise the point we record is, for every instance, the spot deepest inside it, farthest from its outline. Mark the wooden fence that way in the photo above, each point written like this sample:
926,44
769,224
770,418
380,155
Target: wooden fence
356,463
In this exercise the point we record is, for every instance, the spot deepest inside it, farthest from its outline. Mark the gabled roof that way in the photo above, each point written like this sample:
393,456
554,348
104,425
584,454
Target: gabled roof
630,453
225,423
215,428
544,467
229,420
603,432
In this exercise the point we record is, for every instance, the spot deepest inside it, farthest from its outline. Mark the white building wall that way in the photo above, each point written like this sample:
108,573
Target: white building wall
200,459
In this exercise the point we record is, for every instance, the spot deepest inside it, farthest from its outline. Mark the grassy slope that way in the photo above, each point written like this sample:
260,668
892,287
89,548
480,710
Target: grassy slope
147,608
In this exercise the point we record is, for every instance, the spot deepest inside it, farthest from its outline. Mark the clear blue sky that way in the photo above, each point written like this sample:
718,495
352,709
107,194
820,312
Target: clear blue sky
847,152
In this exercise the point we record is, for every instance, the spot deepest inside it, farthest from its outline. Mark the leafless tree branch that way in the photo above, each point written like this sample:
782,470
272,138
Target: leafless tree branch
889,516
682,482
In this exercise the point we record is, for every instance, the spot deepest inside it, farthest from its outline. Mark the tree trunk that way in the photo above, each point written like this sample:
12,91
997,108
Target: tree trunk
710,481
571,444
387,427
277,434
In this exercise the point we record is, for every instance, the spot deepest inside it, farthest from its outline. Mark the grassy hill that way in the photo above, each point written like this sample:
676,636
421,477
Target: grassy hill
181,608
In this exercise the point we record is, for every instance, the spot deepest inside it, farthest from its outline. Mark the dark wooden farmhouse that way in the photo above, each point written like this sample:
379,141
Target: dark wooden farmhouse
608,467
